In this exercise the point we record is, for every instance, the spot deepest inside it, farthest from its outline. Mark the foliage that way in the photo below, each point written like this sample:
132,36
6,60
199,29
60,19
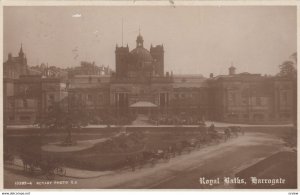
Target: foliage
294,57
65,116
289,68
60,117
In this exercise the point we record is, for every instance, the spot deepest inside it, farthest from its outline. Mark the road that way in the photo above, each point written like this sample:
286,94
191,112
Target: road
224,159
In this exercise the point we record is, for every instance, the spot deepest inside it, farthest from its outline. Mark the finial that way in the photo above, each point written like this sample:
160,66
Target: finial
122,31
139,30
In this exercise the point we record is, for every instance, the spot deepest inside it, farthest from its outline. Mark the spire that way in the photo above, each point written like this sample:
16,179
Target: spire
21,53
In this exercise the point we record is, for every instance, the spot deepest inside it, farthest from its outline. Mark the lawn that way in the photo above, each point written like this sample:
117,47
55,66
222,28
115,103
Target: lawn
110,155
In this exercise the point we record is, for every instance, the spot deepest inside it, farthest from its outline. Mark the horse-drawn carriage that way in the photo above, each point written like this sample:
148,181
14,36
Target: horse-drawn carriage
231,131
147,157
42,165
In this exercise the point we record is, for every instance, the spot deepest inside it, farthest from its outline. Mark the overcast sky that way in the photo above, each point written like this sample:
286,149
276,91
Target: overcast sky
196,39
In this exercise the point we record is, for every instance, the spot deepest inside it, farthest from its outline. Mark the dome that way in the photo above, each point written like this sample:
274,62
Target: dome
141,54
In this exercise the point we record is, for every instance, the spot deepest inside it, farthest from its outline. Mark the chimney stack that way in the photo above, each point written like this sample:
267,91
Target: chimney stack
232,70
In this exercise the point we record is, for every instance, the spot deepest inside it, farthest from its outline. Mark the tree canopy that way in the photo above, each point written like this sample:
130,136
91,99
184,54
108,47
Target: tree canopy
289,68
65,115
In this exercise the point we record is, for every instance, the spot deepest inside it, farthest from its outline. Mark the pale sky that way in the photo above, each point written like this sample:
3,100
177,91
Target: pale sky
197,40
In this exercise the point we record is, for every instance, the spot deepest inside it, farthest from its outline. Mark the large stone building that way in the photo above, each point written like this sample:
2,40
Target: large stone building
30,97
248,97
140,85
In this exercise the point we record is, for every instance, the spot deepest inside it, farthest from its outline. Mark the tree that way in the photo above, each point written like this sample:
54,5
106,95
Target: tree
288,69
294,57
66,115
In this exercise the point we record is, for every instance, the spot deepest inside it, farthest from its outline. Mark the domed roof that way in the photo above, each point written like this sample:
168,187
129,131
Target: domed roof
141,54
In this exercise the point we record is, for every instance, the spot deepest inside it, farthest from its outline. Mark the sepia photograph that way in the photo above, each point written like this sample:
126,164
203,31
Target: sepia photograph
150,97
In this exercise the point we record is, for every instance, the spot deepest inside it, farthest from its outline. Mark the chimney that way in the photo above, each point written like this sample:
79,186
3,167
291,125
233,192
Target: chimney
9,57
211,75
231,70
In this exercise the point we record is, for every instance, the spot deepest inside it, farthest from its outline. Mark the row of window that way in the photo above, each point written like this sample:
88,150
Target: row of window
21,118
257,100
184,95
233,100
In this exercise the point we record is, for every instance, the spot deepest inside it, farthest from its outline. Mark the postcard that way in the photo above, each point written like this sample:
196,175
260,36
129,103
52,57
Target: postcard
165,95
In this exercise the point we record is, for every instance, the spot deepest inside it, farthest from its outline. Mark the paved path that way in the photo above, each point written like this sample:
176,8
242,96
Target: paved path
208,123
81,145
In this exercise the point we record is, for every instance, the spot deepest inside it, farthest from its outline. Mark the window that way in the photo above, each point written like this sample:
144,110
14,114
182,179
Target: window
232,98
11,118
50,108
24,118
284,98
100,97
90,97
258,101
246,115
245,101
25,104
51,97
176,95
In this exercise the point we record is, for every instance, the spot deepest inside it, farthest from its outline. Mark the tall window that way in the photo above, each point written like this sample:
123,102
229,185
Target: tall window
232,98
284,98
89,97
25,104
51,97
258,101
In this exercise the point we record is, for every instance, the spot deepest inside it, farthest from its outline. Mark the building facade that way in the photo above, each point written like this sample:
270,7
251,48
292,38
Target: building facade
140,86
15,66
31,97
248,97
